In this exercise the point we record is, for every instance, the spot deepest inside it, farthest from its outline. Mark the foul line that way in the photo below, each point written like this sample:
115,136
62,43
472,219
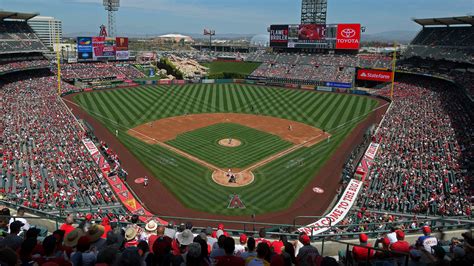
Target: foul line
213,167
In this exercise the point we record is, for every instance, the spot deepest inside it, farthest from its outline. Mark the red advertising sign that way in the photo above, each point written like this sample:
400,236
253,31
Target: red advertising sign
348,36
121,43
374,75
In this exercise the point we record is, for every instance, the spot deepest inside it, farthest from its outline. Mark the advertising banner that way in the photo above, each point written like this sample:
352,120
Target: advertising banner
84,48
339,85
121,43
324,88
374,75
348,36
279,35
122,55
337,214
372,150
117,185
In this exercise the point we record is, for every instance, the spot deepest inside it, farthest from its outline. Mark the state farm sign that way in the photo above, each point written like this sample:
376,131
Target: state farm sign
348,36
374,75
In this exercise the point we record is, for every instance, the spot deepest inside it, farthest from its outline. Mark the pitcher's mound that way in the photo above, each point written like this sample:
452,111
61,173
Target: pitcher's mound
240,179
230,142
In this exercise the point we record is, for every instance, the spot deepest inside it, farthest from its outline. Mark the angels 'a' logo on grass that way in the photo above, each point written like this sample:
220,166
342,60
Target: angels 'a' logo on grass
235,202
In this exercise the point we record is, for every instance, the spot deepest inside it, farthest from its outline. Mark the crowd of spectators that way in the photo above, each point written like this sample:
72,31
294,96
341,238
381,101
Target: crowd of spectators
424,162
105,242
456,54
22,65
465,79
44,164
315,67
449,43
18,36
343,60
96,70
445,36
303,72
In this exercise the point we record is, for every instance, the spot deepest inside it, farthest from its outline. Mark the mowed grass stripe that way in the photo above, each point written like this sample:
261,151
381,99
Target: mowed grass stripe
199,191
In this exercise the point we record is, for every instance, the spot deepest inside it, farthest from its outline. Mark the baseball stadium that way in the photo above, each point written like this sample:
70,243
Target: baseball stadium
317,147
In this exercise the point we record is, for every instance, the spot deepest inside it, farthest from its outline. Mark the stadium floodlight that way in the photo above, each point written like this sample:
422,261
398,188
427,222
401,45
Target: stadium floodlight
314,11
210,33
111,6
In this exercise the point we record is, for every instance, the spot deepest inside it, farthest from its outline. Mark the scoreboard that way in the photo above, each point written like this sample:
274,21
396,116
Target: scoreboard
102,48
331,36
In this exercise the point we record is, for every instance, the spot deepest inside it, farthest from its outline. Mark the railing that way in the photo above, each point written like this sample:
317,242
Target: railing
348,260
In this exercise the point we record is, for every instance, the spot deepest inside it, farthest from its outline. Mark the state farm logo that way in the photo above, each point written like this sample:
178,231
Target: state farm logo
363,75
348,33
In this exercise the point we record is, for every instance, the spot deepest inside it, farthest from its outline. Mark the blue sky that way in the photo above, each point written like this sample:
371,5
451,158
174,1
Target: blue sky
235,16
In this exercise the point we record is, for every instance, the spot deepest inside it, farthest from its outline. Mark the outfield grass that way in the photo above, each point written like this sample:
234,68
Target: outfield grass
232,67
203,143
276,184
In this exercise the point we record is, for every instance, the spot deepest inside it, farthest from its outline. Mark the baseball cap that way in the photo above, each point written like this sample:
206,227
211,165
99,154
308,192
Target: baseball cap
363,238
400,234
426,229
305,239
385,241
243,238
220,227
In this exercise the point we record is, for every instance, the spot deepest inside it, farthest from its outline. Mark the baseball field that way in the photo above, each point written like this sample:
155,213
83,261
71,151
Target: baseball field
185,134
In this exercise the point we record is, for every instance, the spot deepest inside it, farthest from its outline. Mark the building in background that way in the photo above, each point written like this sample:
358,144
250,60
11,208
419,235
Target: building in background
314,11
47,29
174,38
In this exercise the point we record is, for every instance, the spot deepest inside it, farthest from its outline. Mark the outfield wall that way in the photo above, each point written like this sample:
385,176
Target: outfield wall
338,87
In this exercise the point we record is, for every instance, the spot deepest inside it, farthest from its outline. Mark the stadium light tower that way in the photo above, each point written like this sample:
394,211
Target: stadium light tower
111,6
314,11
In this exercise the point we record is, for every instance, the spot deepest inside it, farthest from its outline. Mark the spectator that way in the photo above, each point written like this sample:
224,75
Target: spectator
12,240
240,248
150,229
20,214
401,245
262,234
219,251
67,227
308,254
85,255
427,242
131,237
361,253
278,245
250,253
95,233
263,252
107,228
130,257
49,253
229,258
8,257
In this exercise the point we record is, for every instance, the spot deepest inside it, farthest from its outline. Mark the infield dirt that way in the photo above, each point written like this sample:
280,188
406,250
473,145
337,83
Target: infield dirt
168,128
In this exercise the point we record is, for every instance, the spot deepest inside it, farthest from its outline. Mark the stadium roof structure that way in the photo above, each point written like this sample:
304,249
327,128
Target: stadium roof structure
445,21
16,15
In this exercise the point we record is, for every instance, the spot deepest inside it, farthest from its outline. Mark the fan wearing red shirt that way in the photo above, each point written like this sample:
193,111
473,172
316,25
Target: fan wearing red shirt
262,234
401,245
67,226
229,259
362,253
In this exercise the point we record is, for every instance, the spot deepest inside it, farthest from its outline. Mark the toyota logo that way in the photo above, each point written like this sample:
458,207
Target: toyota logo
348,33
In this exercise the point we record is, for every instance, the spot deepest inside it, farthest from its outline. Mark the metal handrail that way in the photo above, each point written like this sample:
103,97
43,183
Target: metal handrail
369,251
